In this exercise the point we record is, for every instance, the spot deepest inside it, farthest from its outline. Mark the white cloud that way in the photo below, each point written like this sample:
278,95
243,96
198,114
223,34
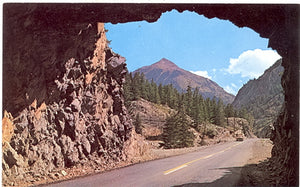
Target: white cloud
252,63
233,85
230,89
202,73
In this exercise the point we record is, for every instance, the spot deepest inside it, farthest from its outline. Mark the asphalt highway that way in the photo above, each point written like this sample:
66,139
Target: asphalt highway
217,165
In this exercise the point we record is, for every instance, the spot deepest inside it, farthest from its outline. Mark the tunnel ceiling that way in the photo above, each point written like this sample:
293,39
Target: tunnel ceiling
276,22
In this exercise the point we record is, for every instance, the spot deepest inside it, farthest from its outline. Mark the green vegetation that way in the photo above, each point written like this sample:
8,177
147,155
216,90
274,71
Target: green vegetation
201,110
176,132
138,124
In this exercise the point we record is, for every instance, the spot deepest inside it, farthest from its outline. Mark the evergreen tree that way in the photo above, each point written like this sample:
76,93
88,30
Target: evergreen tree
143,89
205,111
235,114
152,92
138,124
219,113
136,86
211,109
162,94
156,95
197,113
187,101
176,132
171,96
243,113
147,88
128,95
229,112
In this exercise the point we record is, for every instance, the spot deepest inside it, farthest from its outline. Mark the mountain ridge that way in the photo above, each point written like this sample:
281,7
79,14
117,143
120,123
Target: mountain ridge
166,72
264,98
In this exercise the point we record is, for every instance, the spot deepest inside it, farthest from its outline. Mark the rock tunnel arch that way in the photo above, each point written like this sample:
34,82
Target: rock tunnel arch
29,23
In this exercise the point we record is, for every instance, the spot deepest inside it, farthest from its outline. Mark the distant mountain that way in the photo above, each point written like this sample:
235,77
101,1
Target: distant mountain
166,72
264,98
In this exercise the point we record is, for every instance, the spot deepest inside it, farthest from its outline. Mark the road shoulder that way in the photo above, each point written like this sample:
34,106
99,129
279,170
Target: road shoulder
255,172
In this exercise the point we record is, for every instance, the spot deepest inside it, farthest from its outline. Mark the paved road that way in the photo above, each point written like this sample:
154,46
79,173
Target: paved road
217,165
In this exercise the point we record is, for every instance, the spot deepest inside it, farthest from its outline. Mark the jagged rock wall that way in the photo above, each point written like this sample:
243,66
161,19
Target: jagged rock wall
84,118
29,70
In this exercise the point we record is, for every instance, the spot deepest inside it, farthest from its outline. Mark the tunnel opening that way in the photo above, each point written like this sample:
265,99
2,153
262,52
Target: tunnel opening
207,50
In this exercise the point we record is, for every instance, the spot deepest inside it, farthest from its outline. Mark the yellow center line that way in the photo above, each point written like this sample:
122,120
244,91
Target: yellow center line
175,169
201,158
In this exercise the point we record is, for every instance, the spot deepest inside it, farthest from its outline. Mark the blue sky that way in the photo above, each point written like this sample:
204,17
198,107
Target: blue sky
213,48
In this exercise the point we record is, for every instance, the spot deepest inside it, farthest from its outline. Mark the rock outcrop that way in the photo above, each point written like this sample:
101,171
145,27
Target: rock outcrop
86,121
153,116
7,127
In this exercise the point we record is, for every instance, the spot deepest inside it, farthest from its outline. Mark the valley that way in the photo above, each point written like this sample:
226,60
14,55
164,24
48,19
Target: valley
150,107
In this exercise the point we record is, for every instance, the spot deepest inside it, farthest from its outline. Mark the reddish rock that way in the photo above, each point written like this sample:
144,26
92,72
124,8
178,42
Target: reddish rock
7,127
82,123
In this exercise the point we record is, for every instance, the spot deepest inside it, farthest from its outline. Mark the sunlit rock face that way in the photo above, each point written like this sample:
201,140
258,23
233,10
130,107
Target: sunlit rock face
48,57
65,93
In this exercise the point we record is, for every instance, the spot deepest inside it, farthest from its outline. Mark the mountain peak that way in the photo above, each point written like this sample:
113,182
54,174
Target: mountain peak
165,64
166,72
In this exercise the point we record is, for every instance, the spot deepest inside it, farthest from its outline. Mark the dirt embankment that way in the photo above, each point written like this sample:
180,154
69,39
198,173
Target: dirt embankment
257,171
261,151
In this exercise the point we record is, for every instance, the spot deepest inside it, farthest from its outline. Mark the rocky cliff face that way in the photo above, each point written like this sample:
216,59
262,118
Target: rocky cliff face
81,117
263,97
153,116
